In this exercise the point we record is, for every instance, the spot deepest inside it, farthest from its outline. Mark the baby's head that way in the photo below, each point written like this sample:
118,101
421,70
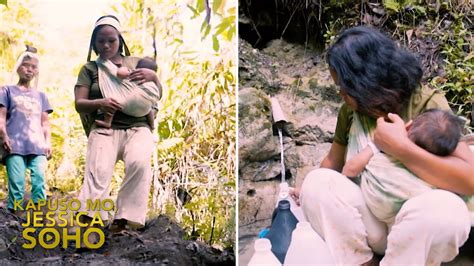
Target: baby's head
147,62
436,131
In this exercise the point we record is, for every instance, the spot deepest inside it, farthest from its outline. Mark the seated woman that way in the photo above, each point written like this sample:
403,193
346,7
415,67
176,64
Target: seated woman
380,83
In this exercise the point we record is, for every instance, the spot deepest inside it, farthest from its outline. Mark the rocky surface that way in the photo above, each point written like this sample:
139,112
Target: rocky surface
302,84
160,242
308,98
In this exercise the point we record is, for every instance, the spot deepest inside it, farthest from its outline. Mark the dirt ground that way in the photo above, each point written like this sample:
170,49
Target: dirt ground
160,242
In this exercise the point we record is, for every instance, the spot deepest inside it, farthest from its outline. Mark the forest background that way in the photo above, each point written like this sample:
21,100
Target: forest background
439,32
195,47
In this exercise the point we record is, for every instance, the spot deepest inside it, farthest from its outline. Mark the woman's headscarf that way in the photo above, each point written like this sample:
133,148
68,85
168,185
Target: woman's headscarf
29,53
111,21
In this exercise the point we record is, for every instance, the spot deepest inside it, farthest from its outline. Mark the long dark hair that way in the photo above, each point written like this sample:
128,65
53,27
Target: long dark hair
375,72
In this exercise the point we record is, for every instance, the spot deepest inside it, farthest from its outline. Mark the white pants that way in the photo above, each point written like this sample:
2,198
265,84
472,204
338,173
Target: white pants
104,148
428,229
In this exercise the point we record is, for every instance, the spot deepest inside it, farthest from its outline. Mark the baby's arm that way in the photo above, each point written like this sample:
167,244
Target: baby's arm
123,72
356,164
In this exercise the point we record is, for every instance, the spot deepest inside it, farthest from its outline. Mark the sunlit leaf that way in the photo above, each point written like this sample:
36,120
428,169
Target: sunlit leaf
215,43
207,30
200,5
168,144
221,27
216,5
194,10
178,41
230,34
392,5
3,2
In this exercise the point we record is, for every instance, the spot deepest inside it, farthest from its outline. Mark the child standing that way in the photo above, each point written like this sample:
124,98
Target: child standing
25,132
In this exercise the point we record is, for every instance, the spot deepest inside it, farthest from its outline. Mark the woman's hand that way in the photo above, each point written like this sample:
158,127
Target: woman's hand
110,105
295,194
142,75
392,136
85,105
452,172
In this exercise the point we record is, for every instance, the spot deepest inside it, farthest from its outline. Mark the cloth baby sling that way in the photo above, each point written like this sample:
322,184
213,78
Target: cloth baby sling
136,100
385,183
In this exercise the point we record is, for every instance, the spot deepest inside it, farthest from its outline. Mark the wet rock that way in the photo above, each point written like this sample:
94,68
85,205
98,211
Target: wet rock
312,125
305,155
256,69
256,140
256,201
310,102
260,171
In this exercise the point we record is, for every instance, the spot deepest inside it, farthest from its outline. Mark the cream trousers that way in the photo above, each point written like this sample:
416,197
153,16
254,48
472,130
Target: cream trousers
105,147
428,229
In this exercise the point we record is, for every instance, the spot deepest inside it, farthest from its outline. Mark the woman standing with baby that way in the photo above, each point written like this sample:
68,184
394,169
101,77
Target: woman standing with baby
128,139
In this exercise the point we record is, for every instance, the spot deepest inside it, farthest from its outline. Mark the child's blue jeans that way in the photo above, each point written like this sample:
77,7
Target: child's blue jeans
16,170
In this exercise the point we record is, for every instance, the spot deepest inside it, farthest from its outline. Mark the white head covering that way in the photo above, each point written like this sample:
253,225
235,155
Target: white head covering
111,21
19,61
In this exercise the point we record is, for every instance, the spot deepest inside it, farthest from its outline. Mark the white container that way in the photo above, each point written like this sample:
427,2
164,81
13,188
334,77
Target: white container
307,248
284,194
263,254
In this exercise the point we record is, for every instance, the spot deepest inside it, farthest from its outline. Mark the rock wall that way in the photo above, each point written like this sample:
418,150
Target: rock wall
301,82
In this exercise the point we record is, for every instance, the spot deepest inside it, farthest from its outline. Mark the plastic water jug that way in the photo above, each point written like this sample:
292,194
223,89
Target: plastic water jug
281,229
307,248
263,254
284,194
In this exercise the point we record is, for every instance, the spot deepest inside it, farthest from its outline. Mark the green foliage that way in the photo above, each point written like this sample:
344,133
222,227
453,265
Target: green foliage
13,38
458,82
14,34
439,31
395,6
447,25
227,26
66,167
196,122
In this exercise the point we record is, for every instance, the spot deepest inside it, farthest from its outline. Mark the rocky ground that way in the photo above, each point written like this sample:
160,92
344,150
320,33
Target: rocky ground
309,101
301,82
159,243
